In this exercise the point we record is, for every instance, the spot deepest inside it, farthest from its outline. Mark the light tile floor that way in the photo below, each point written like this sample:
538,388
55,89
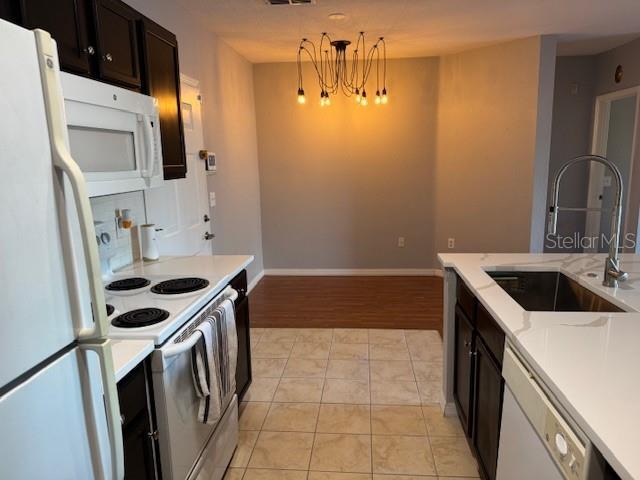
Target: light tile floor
347,404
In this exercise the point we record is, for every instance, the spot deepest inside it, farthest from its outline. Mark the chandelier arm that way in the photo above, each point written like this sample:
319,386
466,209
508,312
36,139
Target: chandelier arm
299,62
384,64
312,56
377,69
367,66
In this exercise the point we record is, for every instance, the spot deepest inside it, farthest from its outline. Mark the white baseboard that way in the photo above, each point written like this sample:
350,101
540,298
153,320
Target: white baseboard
377,272
254,281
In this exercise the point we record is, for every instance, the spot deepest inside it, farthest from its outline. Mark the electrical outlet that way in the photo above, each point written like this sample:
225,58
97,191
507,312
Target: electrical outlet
451,243
400,242
212,199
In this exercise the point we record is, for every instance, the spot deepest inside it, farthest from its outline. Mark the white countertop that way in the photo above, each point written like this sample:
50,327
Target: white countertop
588,360
223,267
127,354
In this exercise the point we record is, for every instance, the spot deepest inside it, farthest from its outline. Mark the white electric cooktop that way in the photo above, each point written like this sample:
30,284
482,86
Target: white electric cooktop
134,308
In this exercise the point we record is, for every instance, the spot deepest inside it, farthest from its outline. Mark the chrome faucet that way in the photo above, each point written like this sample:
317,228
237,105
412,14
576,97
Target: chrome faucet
612,272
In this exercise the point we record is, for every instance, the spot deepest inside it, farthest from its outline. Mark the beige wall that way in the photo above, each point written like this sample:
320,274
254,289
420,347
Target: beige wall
340,184
226,81
493,144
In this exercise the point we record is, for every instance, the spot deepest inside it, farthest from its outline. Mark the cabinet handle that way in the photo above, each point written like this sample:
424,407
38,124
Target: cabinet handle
209,236
90,50
153,435
472,353
467,343
108,57
206,218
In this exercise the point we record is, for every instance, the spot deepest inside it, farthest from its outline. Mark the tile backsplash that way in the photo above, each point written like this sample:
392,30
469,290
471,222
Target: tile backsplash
124,243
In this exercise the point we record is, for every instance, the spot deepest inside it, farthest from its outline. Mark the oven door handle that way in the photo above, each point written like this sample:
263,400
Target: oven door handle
186,345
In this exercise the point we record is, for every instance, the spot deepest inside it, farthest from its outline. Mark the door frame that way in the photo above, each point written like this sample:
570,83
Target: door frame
600,135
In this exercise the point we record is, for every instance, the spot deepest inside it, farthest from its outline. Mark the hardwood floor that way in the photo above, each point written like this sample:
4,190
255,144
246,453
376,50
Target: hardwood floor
348,302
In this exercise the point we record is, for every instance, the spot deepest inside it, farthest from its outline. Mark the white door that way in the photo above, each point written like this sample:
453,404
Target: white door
614,137
179,207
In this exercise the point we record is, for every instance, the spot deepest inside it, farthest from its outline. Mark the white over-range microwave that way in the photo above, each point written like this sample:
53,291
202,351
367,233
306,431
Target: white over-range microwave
114,136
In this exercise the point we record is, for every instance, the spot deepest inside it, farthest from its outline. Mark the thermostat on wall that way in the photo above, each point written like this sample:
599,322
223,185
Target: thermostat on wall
210,160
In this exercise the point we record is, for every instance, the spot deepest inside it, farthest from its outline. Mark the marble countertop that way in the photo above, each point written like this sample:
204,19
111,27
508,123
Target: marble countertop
588,360
127,354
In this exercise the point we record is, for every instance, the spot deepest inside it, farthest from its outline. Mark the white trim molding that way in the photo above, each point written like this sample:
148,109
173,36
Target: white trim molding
374,272
254,281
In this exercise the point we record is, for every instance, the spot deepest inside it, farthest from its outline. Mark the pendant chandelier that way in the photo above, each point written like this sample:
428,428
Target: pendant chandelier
329,61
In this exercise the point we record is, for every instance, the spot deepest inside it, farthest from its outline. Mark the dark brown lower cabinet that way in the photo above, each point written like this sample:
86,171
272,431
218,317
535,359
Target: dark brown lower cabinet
478,384
487,413
243,328
243,370
463,371
139,434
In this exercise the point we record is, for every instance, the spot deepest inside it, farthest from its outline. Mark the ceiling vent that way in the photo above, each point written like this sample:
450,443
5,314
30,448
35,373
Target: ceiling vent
290,2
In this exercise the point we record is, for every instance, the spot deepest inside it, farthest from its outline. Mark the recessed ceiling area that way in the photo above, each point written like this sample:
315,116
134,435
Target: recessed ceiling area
415,28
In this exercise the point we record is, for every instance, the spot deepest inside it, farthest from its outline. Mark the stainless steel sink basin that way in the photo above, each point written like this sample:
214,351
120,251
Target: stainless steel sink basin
550,292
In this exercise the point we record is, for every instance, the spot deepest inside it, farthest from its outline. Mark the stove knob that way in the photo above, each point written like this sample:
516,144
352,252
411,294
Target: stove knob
561,444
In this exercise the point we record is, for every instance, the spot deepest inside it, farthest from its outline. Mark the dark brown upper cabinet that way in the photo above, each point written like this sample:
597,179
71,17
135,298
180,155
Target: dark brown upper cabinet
161,79
67,22
107,40
9,11
117,41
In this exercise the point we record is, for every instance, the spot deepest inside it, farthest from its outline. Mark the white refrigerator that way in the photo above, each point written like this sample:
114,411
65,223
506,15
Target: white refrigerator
59,412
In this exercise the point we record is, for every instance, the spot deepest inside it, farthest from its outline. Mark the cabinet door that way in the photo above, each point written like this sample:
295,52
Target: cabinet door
116,29
68,23
9,11
243,370
138,449
463,368
489,387
161,75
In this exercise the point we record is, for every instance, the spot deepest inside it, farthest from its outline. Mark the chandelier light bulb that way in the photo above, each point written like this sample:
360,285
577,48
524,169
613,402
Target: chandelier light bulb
385,99
358,96
301,98
378,99
327,100
364,102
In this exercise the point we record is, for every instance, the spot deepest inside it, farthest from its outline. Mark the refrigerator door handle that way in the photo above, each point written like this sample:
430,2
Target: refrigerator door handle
112,405
63,161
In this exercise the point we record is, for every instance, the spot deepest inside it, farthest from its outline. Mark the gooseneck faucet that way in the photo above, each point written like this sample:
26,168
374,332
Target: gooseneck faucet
612,272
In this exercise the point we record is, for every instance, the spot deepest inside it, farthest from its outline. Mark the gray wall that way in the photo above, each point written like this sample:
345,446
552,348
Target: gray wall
572,127
627,55
460,151
226,83
490,145
571,136
340,184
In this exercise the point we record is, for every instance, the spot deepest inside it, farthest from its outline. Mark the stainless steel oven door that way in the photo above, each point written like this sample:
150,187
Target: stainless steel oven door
182,437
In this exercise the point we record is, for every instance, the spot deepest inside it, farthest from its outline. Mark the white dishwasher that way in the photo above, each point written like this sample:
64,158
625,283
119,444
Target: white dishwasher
536,441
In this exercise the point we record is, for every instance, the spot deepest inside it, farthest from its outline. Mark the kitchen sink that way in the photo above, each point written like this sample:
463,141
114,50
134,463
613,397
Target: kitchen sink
550,292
